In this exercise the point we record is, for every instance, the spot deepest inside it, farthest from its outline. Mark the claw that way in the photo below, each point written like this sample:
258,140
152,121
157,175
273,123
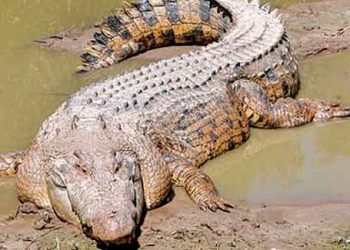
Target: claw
333,104
203,207
341,112
223,207
9,163
227,204
214,203
212,207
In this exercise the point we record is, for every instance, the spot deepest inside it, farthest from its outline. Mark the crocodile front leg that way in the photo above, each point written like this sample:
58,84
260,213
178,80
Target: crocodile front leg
198,186
285,112
9,163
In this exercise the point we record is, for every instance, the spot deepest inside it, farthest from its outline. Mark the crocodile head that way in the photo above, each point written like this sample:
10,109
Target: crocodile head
98,190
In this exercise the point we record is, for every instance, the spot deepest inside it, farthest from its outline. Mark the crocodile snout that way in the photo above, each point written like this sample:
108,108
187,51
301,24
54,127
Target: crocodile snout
114,228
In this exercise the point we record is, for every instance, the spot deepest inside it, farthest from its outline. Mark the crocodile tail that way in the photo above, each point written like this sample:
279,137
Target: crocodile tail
149,24
9,163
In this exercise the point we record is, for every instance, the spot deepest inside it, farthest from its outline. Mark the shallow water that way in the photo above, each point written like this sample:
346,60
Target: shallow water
286,166
306,165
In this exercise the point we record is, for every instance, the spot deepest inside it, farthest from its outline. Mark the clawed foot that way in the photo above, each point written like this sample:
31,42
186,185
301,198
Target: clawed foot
339,112
9,163
326,110
45,220
200,188
27,208
214,203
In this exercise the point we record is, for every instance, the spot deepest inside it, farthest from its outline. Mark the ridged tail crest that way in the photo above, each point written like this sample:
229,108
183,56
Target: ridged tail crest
149,24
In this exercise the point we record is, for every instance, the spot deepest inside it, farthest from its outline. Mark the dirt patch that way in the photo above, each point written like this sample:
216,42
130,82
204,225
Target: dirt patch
318,28
180,225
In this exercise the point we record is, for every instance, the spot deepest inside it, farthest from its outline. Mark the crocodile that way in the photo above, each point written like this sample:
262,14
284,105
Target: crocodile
113,149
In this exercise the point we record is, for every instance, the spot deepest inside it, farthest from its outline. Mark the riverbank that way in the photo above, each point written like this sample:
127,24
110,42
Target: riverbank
314,28
180,225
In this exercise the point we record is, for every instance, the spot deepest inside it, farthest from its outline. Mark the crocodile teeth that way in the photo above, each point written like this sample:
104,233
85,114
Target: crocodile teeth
255,2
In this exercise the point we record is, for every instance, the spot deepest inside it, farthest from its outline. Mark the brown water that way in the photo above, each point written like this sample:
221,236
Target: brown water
309,164
287,166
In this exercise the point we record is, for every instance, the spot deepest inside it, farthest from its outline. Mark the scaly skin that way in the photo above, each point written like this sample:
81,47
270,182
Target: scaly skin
162,122
151,24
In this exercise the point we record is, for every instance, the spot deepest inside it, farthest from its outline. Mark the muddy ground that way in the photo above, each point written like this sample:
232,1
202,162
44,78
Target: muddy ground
180,225
314,28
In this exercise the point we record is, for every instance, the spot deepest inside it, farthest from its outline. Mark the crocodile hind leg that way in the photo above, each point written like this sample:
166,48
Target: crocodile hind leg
9,163
285,112
198,186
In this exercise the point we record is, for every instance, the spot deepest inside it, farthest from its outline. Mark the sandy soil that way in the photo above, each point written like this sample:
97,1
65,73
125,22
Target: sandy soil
314,28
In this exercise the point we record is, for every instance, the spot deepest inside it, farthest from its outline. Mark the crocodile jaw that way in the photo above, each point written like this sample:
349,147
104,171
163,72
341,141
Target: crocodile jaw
113,228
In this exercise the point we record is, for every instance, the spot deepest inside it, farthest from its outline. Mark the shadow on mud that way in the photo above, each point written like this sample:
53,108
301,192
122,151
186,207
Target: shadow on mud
132,246
128,246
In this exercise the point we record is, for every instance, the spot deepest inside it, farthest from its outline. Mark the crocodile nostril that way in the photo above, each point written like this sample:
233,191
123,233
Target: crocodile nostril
114,211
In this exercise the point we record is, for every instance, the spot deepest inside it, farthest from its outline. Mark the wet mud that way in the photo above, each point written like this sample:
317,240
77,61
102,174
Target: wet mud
290,186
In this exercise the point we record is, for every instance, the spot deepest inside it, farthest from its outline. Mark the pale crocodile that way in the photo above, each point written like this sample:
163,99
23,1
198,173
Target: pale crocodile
114,147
